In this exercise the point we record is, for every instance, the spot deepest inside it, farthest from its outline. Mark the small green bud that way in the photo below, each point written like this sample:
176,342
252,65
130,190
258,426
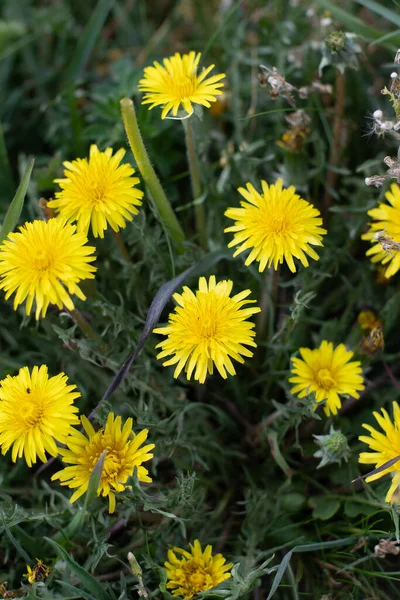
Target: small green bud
332,448
136,569
336,42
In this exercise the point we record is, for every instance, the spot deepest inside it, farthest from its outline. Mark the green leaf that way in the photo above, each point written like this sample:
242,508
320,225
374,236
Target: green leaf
87,41
14,541
6,178
87,580
324,507
94,480
280,573
381,10
356,25
15,208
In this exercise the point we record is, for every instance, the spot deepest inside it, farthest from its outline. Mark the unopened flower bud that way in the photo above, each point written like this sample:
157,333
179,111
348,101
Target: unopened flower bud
333,448
378,114
394,75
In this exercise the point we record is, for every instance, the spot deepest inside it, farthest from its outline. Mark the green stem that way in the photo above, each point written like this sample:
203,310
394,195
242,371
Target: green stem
195,180
87,328
122,246
149,175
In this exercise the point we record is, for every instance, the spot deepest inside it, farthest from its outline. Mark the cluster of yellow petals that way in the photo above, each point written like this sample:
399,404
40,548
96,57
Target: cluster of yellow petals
327,372
177,84
208,328
385,447
98,192
196,571
43,263
124,454
276,225
36,411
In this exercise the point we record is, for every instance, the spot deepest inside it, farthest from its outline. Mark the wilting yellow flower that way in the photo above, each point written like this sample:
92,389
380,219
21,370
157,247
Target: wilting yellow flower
177,83
277,225
208,328
385,446
44,262
124,453
329,373
35,412
367,319
99,191
384,232
196,571
40,572
374,342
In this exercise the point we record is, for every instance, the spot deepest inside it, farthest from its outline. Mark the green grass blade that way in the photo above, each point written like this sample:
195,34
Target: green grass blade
381,10
15,208
356,25
87,580
87,41
6,178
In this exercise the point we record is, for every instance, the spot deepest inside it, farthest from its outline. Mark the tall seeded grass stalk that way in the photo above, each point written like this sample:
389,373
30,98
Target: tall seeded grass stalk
195,180
167,215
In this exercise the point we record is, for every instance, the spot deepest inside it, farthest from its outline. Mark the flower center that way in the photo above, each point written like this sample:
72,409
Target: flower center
97,192
278,225
208,328
197,577
184,86
31,411
41,261
324,379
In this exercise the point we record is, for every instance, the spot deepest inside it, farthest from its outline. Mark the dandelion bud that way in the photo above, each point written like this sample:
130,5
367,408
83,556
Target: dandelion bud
378,114
333,448
393,75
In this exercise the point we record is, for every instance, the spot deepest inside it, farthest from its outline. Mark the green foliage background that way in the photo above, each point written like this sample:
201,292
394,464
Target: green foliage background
233,462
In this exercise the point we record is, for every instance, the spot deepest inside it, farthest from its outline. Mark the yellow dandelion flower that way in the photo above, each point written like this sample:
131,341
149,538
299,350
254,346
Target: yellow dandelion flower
44,261
177,83
385,446
35,412
195,571
329,373
386,228
277,225
208,328
124,453
98,192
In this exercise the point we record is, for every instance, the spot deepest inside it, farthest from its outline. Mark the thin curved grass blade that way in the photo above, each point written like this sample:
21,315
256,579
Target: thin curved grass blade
14,211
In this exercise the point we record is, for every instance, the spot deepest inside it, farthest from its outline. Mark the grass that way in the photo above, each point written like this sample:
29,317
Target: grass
233,462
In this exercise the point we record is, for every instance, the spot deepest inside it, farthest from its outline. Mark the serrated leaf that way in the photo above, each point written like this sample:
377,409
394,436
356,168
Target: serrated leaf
15,208
87,580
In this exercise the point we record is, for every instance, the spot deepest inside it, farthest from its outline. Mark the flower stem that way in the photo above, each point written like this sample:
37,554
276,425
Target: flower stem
87,328
149,175
122,246
195,180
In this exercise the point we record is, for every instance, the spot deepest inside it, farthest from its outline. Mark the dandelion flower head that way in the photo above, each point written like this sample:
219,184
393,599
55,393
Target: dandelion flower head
386,219
178,83
36,411
384,446
196,571
98,192
328,372
208,328
124,453
275,225
44,262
